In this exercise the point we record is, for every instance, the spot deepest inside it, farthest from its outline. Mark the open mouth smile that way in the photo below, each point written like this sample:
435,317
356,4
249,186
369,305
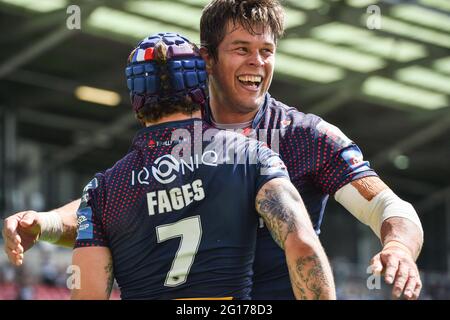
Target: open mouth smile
252,82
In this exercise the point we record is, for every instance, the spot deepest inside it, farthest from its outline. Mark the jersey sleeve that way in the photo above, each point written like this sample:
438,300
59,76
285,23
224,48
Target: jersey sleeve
338,160
270,166
89,215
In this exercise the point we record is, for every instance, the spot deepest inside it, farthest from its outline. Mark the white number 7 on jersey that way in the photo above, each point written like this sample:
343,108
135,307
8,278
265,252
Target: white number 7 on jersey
190,232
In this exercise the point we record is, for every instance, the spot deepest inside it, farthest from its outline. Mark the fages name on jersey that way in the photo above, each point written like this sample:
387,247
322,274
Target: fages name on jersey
163,201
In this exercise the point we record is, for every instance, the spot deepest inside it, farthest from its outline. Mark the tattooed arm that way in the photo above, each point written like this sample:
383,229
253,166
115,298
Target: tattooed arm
285,215
96,273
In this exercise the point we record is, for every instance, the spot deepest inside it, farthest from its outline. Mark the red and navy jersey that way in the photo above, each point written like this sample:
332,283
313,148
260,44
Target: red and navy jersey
178,211
320,160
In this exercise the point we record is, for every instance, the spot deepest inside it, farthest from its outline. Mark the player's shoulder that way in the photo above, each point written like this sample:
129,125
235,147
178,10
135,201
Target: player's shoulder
123,166
290,117
306,125
114,174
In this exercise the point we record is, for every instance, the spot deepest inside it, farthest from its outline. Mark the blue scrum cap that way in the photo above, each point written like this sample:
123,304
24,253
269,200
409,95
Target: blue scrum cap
166,67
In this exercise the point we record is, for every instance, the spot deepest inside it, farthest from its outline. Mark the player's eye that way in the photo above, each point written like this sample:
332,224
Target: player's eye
241,50
267,51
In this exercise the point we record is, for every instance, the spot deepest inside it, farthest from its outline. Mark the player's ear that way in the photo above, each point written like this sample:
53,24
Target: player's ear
207,57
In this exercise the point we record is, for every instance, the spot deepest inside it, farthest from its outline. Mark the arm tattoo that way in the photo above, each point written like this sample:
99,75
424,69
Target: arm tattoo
277,215
109,270
309,277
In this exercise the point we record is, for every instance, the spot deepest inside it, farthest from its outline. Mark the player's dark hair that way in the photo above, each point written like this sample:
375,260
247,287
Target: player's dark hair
250,14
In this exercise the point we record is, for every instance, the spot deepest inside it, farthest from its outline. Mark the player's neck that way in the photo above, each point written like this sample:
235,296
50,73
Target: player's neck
175,117
224,115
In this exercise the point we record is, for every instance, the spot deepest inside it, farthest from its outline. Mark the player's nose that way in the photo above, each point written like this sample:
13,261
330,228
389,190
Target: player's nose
255,59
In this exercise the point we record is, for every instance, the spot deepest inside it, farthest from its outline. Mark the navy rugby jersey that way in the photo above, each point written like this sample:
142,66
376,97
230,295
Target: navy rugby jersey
180,227
320,160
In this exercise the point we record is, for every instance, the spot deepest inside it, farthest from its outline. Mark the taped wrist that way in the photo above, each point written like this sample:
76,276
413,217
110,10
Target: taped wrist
384,205
51,226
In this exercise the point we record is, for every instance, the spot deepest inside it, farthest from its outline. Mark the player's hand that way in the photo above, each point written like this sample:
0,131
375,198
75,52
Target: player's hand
20,232
400,270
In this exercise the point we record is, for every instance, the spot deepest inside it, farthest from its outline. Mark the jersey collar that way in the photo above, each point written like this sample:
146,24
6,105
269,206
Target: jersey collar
207,114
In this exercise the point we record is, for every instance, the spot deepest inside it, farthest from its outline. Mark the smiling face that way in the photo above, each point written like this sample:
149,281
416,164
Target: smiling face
242,74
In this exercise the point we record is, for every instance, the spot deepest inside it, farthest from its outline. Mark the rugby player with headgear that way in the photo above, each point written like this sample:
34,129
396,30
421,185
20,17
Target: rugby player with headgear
177,216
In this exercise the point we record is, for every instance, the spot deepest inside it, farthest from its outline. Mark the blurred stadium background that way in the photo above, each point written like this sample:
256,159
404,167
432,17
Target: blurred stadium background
388,89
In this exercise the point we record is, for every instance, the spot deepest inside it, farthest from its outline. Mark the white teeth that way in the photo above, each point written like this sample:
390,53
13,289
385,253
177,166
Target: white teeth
250,78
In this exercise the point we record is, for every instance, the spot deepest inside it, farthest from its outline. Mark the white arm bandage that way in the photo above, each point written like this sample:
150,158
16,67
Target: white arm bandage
51,226
384,205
